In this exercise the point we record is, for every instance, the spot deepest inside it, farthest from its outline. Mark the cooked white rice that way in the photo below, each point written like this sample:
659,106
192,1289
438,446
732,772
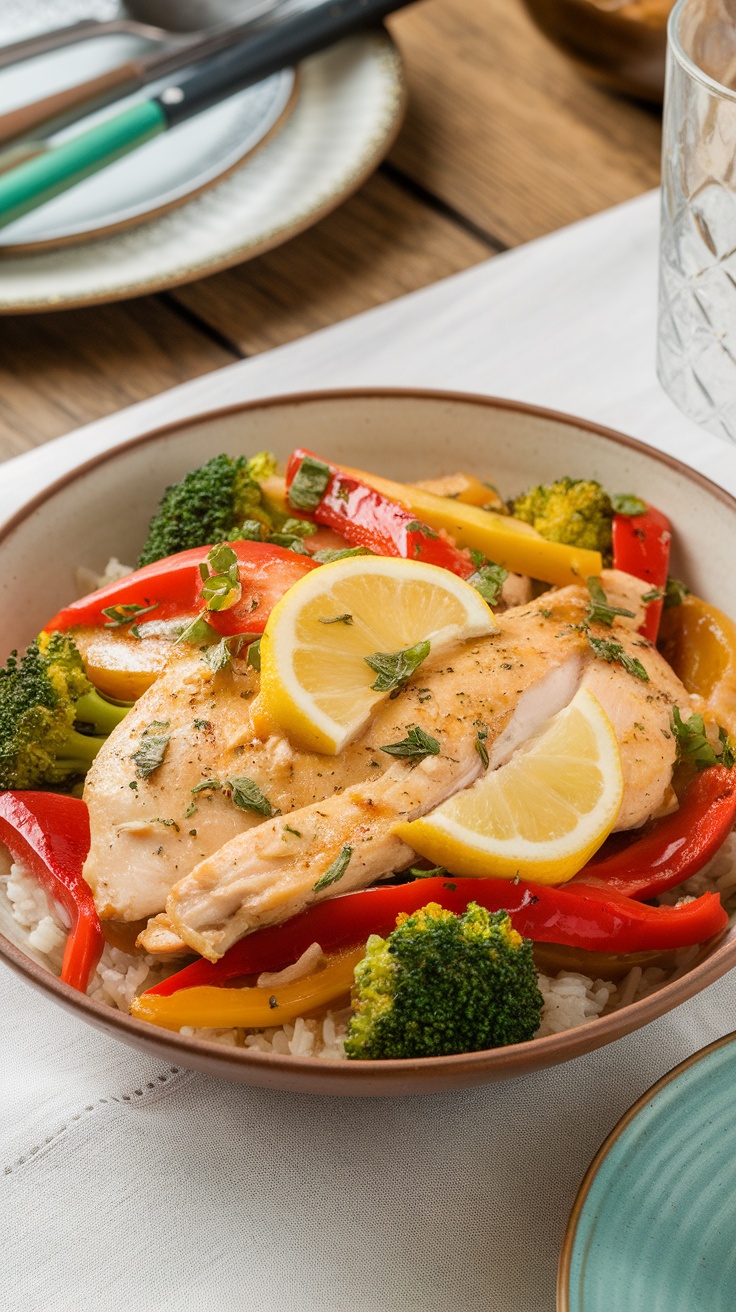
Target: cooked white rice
570,999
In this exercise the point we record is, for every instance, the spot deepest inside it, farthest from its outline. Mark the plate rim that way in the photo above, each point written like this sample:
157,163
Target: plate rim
48,244
568,1242
386,1077
387,49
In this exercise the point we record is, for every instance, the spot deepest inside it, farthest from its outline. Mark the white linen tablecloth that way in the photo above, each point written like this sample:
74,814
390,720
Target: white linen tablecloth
142,1188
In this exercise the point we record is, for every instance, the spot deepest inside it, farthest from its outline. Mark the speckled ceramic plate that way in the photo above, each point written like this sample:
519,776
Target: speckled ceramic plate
652,1229
347,110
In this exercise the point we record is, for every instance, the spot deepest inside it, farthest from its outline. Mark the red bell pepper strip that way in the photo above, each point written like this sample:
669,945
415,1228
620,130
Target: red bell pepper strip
48,833
580,917
365,518
675,847
172,588
641,546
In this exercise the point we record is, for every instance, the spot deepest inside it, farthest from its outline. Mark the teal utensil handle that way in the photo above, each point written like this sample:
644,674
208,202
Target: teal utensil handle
32,184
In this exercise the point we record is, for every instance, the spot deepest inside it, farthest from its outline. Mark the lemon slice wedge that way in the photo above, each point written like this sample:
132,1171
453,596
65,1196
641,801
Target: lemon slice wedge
316,684
540,816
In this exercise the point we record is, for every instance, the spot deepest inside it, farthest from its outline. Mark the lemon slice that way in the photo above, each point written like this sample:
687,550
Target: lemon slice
315,681
540,816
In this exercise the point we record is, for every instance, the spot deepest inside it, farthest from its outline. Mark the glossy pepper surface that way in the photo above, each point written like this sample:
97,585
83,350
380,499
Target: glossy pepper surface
48,833
641,546
366,518
171,589
576,915
675,847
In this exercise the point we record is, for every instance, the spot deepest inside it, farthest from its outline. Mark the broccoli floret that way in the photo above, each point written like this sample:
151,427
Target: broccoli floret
43,696
210,505
441,984
576,511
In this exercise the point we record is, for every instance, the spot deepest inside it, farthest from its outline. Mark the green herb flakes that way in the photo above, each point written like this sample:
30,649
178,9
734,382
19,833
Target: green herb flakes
416,746
118,616
310,484
675,593
614,652
488,578
393,669
599,611
436,872
338,619
334,872
152,748
221,589
328,557
247,796
693,744
626,504
416,526
480,743
253,655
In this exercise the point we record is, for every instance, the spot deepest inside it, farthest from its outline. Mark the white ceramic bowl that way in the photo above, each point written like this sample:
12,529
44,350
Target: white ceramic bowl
103,509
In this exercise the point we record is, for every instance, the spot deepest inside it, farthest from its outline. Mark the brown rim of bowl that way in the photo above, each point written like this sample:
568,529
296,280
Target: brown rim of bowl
568,1242
533,1055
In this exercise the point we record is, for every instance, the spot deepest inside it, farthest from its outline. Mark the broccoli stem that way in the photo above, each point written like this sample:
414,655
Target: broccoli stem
77,754
94,709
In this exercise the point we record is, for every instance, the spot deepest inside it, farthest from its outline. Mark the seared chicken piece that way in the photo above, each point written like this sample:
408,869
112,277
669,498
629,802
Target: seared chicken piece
512,683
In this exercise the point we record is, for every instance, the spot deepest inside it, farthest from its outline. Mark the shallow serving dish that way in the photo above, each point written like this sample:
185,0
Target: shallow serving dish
103,508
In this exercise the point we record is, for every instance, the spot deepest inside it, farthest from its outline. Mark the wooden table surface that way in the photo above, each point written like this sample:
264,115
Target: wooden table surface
504,140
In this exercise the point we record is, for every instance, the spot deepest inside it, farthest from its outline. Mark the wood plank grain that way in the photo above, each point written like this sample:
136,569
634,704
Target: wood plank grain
58,371
506,130
381,243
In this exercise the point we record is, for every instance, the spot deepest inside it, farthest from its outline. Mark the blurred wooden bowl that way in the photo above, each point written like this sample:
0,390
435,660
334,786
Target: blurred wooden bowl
621,45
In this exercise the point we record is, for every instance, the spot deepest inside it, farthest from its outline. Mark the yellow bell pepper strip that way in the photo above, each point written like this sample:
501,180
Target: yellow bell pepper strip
250,1008
699,642
502,539
463,487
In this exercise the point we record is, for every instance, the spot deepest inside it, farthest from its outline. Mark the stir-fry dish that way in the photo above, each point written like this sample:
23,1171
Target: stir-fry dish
355,769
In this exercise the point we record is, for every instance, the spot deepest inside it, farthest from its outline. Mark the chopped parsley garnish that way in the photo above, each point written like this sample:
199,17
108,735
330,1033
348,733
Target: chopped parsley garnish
613,651
545,613
170,824
480,743
415,746
203,724
296,832
416,526
242,792
335,871
117,616
599,611
417,873
488,578
190,812
393,669
219,657
693,744
220,575
253,655
338,619
152,749
626,504
656,594
299,528
310,484
342,553
210,785
133,785
675,593
198,632
245,794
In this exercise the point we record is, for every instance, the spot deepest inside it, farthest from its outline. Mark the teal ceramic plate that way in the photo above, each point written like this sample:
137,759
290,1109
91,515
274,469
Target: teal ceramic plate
652,1229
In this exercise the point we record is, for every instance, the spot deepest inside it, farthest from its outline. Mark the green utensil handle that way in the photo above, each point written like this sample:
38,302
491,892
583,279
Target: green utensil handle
32,184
